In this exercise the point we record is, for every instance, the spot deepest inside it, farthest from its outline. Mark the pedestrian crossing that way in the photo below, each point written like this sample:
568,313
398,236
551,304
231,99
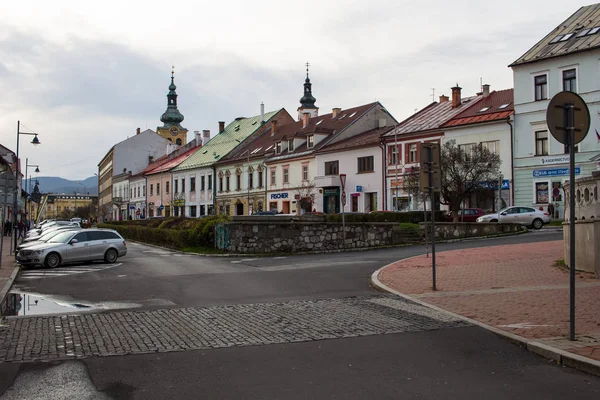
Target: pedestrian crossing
43,273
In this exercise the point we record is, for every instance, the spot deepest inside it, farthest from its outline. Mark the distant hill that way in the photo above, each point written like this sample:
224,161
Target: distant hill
51,184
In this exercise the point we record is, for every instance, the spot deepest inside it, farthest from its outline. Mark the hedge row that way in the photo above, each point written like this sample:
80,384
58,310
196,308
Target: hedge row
413,217
174,232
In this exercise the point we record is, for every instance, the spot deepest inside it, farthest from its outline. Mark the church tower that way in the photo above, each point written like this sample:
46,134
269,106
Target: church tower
172,118
307,102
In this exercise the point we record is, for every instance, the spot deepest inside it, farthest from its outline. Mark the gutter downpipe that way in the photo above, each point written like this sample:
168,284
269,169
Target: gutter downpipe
146,211
214,188
384,169
512,166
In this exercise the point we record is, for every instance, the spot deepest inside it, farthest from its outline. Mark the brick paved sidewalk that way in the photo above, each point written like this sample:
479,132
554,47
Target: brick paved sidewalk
517,288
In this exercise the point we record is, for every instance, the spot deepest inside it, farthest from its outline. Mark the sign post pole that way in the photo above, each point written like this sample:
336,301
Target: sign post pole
432,200
570,131
568,119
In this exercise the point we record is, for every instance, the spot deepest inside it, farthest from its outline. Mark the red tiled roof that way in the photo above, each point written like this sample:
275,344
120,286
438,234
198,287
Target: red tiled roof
487,109
365,139
324,124
165,165
433,116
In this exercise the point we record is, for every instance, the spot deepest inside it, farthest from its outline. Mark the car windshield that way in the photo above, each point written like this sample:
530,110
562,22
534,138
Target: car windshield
62,237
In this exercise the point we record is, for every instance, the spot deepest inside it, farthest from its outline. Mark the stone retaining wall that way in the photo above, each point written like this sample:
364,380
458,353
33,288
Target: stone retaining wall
450,230
274,234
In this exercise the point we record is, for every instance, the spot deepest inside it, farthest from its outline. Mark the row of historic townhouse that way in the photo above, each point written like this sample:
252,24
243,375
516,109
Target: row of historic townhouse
278,163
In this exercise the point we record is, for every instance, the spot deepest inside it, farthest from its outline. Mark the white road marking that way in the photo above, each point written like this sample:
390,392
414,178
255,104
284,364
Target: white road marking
63,271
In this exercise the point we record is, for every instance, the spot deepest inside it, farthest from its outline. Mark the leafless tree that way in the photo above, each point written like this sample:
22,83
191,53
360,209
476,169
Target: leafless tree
305,193
462,174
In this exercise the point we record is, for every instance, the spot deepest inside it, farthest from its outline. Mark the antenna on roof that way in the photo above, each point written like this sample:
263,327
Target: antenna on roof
432,94
481,83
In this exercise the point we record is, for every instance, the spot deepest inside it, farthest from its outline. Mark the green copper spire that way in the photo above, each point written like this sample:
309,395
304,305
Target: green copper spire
172,116
307,101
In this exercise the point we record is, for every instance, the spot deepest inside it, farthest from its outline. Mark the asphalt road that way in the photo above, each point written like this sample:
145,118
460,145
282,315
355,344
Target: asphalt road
283,310
151,277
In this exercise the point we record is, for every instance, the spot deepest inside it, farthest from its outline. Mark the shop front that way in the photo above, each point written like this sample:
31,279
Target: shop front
331,200
282,202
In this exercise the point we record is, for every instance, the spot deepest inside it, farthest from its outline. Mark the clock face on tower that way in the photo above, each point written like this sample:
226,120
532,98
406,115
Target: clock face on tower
174,131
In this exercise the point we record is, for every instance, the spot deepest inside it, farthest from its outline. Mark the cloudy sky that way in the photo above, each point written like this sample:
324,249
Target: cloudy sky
85,77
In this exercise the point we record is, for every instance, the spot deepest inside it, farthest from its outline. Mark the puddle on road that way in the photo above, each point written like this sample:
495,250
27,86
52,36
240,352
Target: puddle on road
24,304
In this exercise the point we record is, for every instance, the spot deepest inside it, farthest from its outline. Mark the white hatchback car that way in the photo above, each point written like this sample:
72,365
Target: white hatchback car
527,216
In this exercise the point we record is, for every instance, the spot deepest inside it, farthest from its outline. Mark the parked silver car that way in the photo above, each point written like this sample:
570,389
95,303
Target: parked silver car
527,216
34,241
75,246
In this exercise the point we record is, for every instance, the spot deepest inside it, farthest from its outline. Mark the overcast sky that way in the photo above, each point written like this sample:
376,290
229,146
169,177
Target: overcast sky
86,76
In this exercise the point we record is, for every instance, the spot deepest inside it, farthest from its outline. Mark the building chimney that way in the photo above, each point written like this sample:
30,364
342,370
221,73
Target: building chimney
137,131
150,159
198,138
456,100
305,119
444,98
486,90
205,136
221,126
262,112
335,112
273,127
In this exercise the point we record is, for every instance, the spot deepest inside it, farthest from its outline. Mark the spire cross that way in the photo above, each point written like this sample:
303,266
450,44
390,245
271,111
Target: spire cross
307,65
172,71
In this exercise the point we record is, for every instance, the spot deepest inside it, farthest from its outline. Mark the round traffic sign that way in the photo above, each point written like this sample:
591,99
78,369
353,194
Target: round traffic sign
555,116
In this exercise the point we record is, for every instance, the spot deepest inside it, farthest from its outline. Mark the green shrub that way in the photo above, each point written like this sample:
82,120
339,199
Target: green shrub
176,232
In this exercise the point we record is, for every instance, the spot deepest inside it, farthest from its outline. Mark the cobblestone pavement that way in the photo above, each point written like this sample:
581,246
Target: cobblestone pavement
117,333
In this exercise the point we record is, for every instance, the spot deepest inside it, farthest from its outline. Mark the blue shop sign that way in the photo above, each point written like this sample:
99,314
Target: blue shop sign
359,189
279,196
494,185
539,173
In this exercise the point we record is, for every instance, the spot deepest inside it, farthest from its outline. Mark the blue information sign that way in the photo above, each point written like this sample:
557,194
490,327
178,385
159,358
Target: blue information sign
359,189
540,173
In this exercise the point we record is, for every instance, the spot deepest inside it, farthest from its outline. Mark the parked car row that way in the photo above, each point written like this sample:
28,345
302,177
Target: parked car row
55,243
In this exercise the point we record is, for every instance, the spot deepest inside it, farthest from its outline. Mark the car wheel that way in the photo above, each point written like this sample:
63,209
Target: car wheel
52,260
537,223
110,256
494,220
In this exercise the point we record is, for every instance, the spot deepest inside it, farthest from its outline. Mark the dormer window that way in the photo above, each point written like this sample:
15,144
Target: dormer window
291,145
310,141
278,148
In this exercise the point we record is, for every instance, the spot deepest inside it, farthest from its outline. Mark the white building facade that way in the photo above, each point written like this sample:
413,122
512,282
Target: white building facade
541,162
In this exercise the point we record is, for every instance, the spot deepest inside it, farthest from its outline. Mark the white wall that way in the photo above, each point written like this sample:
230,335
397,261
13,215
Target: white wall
132,154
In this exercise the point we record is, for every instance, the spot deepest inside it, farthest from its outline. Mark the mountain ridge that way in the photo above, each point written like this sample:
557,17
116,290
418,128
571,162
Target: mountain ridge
58,185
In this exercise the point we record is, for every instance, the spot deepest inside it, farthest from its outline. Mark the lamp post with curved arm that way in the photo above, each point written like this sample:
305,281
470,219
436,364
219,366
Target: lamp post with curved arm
35,142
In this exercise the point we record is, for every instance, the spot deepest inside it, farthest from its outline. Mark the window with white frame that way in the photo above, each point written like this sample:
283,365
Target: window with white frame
492,146
412,153
286,175
310,141
291,145
569,78
305,172
467,149
541,87
273,176
278,148
541,143
394,158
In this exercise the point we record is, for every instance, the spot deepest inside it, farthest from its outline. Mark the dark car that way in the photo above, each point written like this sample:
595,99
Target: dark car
466,215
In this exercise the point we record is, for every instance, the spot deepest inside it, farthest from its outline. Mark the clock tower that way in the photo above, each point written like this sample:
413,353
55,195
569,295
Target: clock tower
172,118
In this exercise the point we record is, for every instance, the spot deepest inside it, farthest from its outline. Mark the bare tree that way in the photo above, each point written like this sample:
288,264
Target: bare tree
305,194
462,174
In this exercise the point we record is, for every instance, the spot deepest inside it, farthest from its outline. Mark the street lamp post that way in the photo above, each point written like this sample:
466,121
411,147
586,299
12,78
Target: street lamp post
343,198
37,170
35,142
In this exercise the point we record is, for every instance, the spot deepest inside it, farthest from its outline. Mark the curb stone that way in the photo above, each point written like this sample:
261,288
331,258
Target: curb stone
560,356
